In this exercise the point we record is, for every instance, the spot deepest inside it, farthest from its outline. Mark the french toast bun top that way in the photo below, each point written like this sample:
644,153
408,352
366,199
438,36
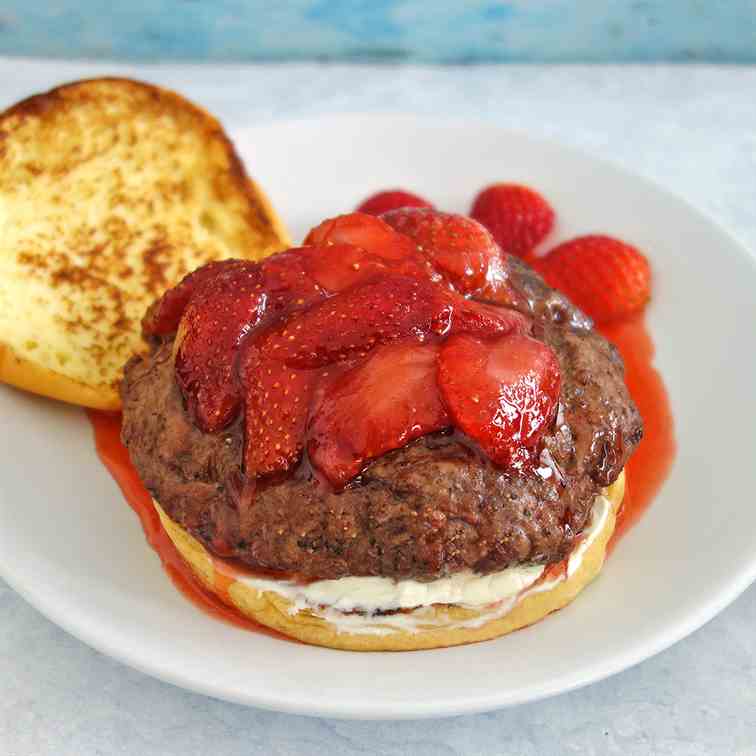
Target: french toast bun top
111,190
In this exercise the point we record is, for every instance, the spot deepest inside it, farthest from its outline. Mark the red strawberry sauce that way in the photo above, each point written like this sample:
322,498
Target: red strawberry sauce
651,462
115,457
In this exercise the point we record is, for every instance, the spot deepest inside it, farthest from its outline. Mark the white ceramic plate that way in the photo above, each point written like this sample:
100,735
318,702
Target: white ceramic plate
71,545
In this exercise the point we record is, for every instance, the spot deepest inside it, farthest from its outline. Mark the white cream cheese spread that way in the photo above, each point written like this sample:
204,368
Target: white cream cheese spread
353,604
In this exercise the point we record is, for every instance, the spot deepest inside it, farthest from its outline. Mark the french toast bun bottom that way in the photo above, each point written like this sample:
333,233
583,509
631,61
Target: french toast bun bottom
111,190
275,611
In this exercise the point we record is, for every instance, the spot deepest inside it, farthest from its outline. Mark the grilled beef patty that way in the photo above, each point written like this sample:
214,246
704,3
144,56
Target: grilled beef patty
432,508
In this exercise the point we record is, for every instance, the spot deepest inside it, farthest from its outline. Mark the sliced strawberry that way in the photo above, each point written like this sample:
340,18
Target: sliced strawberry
365,231
336,267
383,403
287,281
518,217
502,393
392,199
163,316
499,288
471,316
276,364
350,324
277,402
232,300
221,311
386,308
425,243
457,246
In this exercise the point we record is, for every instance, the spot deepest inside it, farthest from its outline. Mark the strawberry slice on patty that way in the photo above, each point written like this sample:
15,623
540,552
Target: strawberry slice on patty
365,231
163,316
208,337
460,249
502,392
457,246
224,308
386,401
280,368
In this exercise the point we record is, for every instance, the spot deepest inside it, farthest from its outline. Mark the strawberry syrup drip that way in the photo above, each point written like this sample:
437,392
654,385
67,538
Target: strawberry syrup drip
652,461
114,455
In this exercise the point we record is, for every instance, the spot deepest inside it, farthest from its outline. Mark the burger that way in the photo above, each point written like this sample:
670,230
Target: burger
393,437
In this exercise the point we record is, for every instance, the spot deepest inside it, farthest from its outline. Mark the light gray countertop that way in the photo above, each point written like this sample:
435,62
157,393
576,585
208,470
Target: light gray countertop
691,129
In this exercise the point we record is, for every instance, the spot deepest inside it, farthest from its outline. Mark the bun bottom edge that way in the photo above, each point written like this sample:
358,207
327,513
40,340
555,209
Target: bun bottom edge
27,375
277,612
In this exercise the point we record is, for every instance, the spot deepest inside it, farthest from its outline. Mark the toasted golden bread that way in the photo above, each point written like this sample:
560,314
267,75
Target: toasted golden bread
110,191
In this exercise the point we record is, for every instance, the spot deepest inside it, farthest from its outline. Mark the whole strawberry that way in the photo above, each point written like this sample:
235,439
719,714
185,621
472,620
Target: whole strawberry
392,199
607,278
518,217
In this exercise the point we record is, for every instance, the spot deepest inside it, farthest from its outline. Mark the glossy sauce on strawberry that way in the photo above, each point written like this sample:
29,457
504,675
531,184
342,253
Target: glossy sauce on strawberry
164,315
281,368
458,247
502,392
215,320
404,404
367,232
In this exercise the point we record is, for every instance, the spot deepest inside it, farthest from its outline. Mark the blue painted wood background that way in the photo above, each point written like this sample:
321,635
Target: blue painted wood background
449,31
